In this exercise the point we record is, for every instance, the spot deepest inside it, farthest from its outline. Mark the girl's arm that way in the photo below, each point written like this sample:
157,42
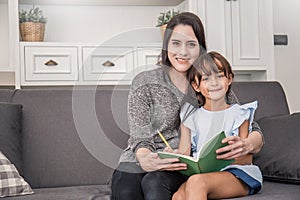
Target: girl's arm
185,141
255,140
243,134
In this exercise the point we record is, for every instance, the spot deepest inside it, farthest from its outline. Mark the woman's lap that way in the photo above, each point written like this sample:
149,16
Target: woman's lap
149,186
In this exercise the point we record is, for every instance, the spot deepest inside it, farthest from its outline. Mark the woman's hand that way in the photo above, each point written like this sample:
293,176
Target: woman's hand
150,161
237,148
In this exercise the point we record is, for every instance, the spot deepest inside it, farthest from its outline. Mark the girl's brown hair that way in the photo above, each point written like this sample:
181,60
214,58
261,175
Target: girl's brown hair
207,64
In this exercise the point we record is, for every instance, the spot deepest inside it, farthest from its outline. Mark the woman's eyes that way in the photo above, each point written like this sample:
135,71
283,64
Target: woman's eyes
191,44
188,44
176,43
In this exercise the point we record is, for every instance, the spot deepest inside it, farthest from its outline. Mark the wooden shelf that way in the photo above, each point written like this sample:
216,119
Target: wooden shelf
106,2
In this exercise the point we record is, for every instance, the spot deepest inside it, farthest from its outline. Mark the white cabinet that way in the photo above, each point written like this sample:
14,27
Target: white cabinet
44,63
242,31
112,43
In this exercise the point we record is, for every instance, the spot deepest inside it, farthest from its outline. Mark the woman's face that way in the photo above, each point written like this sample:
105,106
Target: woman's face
183,48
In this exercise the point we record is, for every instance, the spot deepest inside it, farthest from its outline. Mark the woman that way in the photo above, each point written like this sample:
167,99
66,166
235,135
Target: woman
154,103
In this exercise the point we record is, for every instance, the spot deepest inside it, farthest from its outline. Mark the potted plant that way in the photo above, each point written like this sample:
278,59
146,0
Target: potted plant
164,18
32,25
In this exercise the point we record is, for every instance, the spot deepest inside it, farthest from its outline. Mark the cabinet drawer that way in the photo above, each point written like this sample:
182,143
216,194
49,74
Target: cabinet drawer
51,63
107,63
147,58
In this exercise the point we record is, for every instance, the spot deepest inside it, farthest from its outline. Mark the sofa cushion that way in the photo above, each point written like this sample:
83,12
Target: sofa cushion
53,147
94,192
279,160
11,183
274,191
10,133
270,96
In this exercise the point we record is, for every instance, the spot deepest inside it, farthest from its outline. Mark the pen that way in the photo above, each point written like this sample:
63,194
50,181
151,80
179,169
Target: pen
164,139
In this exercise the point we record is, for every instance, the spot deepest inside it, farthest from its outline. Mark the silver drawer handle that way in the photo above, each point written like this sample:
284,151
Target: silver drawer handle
51,63
108,64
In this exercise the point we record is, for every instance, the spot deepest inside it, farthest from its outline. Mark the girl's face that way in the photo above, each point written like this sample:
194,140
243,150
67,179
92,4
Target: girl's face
214,86
183,48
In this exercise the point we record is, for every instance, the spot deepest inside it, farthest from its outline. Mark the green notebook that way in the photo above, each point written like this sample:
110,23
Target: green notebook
206,162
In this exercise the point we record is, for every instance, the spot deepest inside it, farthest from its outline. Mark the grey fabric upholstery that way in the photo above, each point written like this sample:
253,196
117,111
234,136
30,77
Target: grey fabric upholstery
10,133
5,95
91,192
281,149
271,97
52,150
57,123
275,191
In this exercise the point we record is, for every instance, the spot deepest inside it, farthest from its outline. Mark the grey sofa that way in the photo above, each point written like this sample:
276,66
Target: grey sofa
72,138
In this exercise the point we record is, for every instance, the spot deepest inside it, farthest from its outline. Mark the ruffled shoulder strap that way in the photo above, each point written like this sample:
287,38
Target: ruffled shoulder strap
245,112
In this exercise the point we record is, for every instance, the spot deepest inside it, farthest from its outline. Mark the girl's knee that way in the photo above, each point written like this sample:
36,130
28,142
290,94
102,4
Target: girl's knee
198,182
179,195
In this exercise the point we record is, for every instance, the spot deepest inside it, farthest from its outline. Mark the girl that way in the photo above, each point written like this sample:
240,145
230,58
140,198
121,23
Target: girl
211,79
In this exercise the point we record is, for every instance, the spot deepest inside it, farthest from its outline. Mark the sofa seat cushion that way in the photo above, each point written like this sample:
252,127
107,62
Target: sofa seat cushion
95,192
275,191
279,159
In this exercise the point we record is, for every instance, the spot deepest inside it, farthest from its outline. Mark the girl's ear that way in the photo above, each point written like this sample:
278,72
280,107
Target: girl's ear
195,86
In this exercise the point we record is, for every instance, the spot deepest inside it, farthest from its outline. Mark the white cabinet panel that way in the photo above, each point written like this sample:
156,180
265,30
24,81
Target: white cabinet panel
107,63
147,58
51,63
247,32
242,31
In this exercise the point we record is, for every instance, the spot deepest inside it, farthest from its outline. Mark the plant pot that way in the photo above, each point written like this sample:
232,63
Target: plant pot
163,29
32,31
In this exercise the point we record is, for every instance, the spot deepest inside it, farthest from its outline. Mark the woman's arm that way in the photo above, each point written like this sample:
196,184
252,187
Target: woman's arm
239,147
141,139
150,161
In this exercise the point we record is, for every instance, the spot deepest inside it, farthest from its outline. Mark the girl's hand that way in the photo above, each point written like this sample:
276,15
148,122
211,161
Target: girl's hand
237,148
150,161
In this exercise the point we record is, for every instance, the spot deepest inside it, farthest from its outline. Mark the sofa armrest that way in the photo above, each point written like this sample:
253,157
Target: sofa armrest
279,159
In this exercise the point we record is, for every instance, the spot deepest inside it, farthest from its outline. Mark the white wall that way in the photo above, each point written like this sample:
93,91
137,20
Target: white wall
287,66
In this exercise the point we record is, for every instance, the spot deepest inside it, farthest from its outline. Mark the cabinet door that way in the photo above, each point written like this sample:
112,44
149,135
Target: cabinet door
107,64
51,63
147,58
236,29
248,32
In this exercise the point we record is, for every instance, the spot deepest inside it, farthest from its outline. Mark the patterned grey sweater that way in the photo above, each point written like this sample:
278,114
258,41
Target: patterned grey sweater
154,103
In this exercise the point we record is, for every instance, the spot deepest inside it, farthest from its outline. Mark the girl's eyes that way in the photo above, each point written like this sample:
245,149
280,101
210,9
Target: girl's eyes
206,78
